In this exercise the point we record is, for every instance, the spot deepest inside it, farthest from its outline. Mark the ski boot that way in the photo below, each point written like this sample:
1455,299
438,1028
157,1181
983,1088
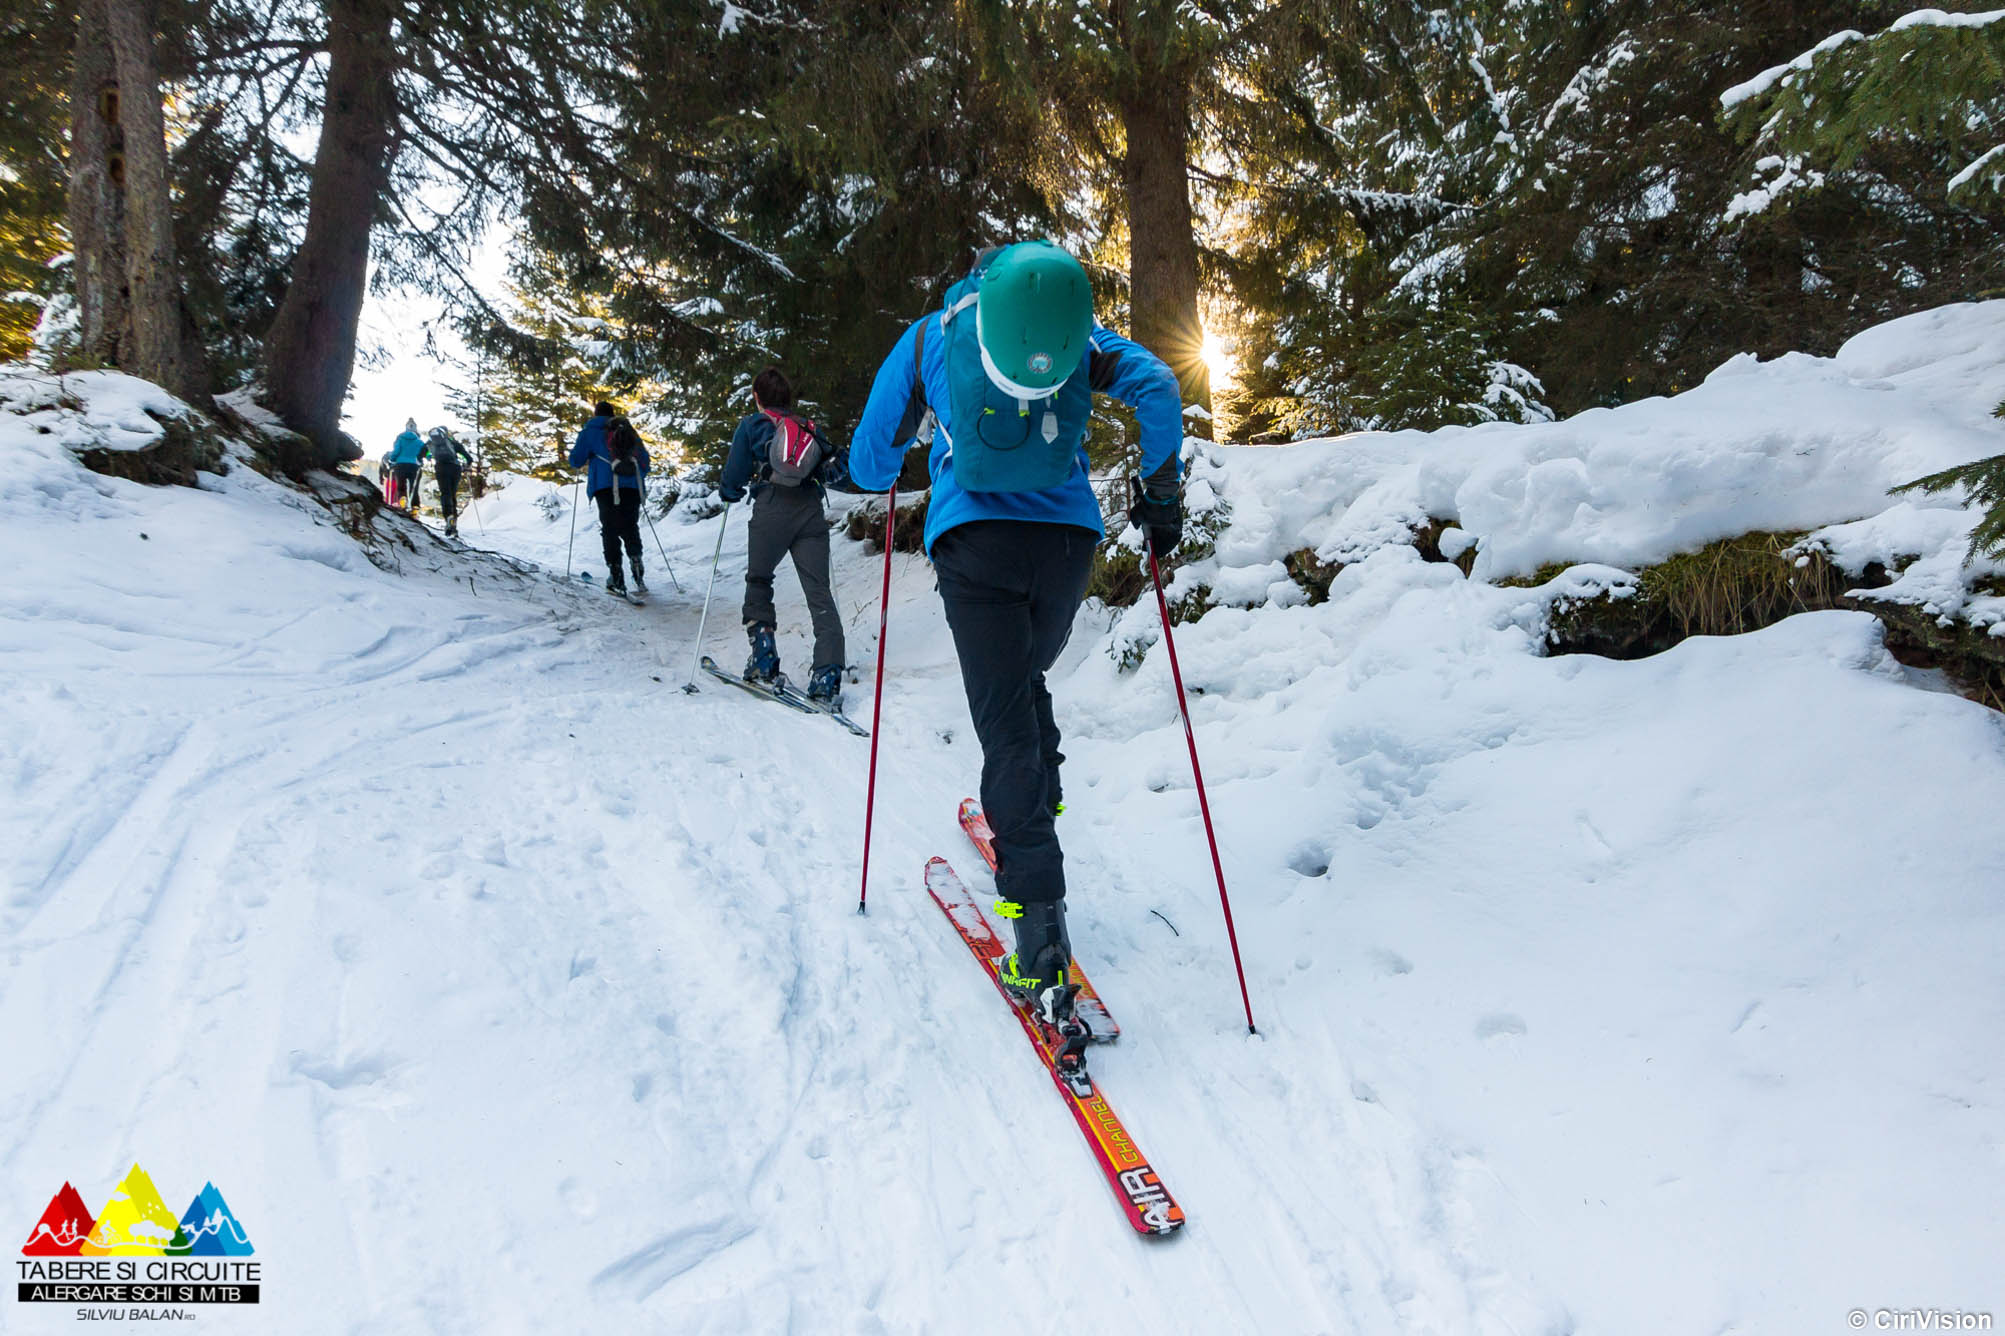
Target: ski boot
616,583
1039,975
1039,972
825,687
764,665
640,585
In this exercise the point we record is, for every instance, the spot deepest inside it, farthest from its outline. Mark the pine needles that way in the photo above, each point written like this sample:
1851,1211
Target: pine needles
1984,483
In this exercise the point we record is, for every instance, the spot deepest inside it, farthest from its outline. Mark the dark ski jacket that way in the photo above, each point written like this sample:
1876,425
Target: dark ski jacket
591,449
747,461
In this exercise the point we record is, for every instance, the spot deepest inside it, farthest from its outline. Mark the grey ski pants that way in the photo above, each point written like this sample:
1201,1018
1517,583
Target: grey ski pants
788,522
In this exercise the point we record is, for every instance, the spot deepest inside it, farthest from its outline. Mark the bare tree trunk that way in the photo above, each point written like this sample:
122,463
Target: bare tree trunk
153,277
310,351
1162,241
97,195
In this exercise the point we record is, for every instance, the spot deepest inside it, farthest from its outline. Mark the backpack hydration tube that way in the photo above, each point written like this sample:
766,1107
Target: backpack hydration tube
796,451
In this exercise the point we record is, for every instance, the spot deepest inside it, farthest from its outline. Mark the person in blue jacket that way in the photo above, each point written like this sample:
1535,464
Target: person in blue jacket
1006,371
615,464
407,462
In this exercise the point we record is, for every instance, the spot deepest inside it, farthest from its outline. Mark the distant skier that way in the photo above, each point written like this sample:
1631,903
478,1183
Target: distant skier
386,478
615,462
788,464
1008,369
448,458
407,463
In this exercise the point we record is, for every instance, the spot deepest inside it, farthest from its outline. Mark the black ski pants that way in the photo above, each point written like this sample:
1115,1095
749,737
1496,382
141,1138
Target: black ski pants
407,486
789,522
448,481
1011,589
619,521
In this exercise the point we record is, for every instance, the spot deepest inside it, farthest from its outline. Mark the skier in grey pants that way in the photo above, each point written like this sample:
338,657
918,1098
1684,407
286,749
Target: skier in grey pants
786,464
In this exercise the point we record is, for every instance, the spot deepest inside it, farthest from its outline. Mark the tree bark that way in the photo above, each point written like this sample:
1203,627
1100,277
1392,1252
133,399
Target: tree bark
1162,241
153,277
97,195
310,351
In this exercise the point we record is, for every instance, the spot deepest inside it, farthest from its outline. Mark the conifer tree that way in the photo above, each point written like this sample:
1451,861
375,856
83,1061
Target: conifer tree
563,354
1984,483
1931,83
34,39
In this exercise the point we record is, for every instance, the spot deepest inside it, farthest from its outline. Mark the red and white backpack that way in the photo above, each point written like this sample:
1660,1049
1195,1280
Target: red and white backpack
796,451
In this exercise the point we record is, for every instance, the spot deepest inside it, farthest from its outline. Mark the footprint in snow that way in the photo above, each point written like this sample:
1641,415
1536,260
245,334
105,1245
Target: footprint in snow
365,1069
1310,860
1499,1023
582,1201
1390,963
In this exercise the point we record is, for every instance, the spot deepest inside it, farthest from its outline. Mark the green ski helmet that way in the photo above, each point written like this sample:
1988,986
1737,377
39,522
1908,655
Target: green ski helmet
1033,316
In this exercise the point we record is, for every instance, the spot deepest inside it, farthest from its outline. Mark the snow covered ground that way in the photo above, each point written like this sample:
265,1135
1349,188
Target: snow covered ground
501,986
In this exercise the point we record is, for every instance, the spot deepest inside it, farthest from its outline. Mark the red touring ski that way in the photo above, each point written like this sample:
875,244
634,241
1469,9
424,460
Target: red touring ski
1147,1203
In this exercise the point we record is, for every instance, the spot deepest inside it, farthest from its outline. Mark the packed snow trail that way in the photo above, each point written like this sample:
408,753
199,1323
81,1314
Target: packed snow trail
502,986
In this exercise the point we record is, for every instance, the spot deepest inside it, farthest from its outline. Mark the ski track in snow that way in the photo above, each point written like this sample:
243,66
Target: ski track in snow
353,893
502,986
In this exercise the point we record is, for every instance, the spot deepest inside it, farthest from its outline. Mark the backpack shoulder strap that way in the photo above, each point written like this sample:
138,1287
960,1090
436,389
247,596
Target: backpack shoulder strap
917,422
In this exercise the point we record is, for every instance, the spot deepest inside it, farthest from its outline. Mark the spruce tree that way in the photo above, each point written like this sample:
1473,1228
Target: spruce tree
34,40
562,355
1930,83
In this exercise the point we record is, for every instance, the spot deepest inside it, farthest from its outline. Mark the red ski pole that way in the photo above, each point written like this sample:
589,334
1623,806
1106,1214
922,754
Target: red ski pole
877,706
1176,675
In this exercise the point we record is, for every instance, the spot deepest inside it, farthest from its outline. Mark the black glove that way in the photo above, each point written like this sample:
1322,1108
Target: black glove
1159,514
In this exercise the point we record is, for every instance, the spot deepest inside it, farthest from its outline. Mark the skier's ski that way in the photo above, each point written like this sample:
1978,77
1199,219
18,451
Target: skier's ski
836,715
764,690
1087,1006
1147,1203
783,691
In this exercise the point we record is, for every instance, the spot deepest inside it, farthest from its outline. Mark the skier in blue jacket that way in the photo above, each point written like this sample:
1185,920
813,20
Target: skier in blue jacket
407,462
1007,371
616,463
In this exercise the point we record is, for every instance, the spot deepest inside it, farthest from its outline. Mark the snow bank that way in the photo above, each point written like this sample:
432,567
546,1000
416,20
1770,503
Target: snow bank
46,415
1788,445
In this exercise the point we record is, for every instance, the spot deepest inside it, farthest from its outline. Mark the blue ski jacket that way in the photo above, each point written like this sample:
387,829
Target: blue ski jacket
409,449
1116,366
591,451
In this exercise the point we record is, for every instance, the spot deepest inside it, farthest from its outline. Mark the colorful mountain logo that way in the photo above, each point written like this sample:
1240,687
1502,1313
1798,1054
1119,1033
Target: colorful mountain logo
62,1229
212,1226
137,1223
